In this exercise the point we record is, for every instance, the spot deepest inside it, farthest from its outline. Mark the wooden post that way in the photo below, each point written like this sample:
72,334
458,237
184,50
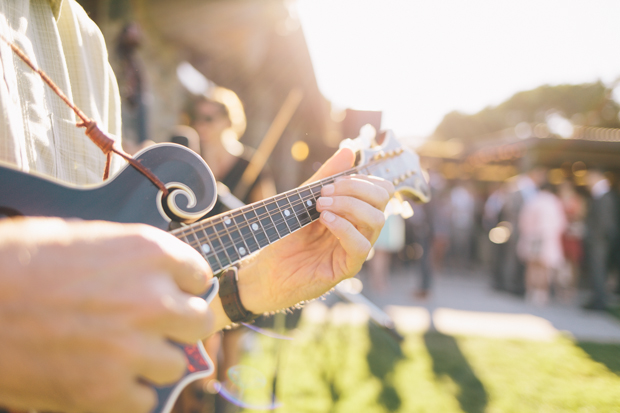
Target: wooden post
273,135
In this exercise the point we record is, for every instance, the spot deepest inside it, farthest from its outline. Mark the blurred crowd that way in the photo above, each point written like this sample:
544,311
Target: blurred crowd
536,239
553,240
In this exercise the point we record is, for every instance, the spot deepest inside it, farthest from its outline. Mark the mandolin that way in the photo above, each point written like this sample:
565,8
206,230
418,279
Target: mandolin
223,240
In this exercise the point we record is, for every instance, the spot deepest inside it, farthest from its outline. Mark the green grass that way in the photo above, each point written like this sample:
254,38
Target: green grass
359,369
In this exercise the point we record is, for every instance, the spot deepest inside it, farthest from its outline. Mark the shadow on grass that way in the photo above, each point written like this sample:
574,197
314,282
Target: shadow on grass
382,356
448,360
607,354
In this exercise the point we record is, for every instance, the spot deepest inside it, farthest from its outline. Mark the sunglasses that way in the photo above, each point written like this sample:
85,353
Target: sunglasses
207,118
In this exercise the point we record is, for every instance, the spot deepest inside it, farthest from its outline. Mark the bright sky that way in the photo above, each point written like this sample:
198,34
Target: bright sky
418,60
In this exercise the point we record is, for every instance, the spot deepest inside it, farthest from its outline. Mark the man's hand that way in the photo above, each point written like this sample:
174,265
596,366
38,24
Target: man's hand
86,309
314,259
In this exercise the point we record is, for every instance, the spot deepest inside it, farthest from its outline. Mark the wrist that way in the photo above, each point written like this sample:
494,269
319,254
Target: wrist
231,299
251,292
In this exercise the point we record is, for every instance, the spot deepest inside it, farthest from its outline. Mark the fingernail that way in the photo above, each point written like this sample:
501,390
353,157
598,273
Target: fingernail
326,201
328,189
328,216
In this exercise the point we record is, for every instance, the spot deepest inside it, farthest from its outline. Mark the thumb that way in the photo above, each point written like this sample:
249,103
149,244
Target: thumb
342,160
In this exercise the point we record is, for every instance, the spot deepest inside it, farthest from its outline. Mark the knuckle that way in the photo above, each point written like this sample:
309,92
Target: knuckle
364,248
108,385
126,350
195,318
148,239
160,301
378,219
174,364
385,196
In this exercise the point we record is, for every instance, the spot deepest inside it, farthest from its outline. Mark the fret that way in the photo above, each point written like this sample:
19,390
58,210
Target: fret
278,219
240,242
310,203
258,232
267,223
227,240
246,233
186,239
289,213
209,251
195,245
300,208
218,247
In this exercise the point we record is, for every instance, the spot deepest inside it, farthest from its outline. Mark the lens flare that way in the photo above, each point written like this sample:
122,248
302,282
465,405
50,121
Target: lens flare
246,387
267,332
501,233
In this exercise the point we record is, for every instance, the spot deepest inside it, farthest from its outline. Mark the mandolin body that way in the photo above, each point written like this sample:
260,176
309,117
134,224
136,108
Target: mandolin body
129,197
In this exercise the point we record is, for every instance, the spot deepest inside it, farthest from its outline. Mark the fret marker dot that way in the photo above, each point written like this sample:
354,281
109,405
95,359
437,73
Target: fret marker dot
242,251
287,212
205,248
227,221
255,227
309,203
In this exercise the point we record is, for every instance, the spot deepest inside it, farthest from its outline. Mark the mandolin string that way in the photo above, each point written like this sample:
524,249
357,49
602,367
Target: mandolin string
211,222
220,218
200,240
202,225
234,242
224,246
191,229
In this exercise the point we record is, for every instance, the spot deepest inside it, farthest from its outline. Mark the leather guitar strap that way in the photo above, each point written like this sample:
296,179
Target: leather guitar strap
103,141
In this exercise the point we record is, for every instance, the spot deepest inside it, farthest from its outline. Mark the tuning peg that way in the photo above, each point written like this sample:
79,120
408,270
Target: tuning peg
403,177
399,151
396,181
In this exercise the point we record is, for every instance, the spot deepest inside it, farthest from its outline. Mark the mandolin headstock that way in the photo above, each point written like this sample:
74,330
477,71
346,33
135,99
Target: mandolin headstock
396,163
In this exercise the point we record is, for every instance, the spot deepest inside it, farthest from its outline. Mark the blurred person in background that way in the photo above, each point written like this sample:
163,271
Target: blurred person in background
186,136
601,231
490,218
520,190
574,205
542,223
391,240
441,226
219,122
462,217
420,226
614,254
130,73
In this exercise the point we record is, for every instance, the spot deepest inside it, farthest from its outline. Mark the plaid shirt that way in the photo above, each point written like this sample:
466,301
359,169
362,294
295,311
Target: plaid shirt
37,129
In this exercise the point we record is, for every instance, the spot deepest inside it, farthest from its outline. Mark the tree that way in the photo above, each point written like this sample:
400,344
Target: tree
588,104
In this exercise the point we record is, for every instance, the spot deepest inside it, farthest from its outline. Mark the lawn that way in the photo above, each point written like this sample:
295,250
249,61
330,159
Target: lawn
360,369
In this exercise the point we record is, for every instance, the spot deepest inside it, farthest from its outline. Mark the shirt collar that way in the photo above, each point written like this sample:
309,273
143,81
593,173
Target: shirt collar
55,4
